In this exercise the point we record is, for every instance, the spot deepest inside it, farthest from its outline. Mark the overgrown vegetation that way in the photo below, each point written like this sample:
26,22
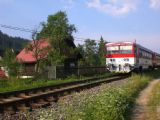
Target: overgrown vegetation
10,63
155,97
154,103
21,84
111,103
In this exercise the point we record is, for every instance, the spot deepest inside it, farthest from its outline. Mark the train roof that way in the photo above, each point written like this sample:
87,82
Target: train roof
144,48
157,54
119,43
131,43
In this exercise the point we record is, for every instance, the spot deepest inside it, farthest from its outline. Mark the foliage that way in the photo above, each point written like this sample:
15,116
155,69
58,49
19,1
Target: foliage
80,49
92,53
10,63
102,51
54,58
15,43
154,103
59,32
89,52
39,52
155,97
22,84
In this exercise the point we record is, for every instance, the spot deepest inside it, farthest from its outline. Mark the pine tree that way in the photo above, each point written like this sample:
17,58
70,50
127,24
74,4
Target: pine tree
102,51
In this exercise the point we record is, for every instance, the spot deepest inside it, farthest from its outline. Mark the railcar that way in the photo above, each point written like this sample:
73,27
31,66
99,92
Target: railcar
127,56
156,60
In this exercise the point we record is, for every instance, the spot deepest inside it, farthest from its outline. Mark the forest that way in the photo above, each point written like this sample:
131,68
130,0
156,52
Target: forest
15,43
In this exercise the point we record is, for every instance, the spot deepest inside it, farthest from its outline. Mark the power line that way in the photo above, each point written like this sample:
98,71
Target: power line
17,28
31,31
86,39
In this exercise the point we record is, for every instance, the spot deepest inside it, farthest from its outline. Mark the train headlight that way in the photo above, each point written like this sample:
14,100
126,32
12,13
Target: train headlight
112,60
126,59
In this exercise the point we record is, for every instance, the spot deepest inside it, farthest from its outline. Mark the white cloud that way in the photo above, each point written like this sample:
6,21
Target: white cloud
113,7
155,4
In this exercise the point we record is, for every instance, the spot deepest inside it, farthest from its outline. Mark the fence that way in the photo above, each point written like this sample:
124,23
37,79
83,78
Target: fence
61,71
53,72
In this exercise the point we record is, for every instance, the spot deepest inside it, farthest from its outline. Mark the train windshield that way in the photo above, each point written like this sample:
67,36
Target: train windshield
119,49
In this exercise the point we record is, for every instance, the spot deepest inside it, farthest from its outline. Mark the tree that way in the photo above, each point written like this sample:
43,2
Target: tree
10,63
38,51
81,51
58,31
101,51
15,43
91,56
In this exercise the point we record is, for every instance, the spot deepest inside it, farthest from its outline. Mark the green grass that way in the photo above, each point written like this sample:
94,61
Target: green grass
110,103
155,97
21,84
154,103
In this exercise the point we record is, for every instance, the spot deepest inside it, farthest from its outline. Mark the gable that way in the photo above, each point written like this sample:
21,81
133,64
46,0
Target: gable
27,55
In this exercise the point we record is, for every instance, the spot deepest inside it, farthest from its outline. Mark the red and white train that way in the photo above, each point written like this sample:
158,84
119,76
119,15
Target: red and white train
127,56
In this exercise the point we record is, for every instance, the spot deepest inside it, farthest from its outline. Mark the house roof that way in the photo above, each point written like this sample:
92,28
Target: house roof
2,73
27,55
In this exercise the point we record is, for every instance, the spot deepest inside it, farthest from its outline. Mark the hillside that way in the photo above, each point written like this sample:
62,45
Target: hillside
6,41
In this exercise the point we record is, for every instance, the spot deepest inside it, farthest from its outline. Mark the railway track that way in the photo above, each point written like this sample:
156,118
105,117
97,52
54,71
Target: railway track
30,99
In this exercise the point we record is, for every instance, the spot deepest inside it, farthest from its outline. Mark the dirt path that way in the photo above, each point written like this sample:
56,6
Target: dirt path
141,109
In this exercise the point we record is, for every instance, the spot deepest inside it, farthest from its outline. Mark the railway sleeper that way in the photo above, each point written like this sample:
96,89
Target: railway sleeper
39,105
31,93
23,108
39,91
9,109
50,99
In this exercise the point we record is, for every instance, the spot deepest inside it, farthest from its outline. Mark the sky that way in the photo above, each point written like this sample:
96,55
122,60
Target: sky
114,20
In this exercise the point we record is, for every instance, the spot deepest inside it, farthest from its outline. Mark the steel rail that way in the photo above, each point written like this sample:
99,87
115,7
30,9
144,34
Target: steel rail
33,97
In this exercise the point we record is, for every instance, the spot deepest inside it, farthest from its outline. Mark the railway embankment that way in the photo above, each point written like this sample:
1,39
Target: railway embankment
29,100
112,101
57,110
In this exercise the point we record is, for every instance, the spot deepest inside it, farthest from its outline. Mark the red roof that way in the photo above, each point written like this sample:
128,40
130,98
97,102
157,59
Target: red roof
28,55
2,73
119,43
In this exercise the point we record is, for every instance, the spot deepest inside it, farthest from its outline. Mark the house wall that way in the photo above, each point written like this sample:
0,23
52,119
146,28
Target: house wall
27,69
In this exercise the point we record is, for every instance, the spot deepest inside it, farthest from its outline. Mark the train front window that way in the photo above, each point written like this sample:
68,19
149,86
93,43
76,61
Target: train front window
113,50
119,49
126,49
